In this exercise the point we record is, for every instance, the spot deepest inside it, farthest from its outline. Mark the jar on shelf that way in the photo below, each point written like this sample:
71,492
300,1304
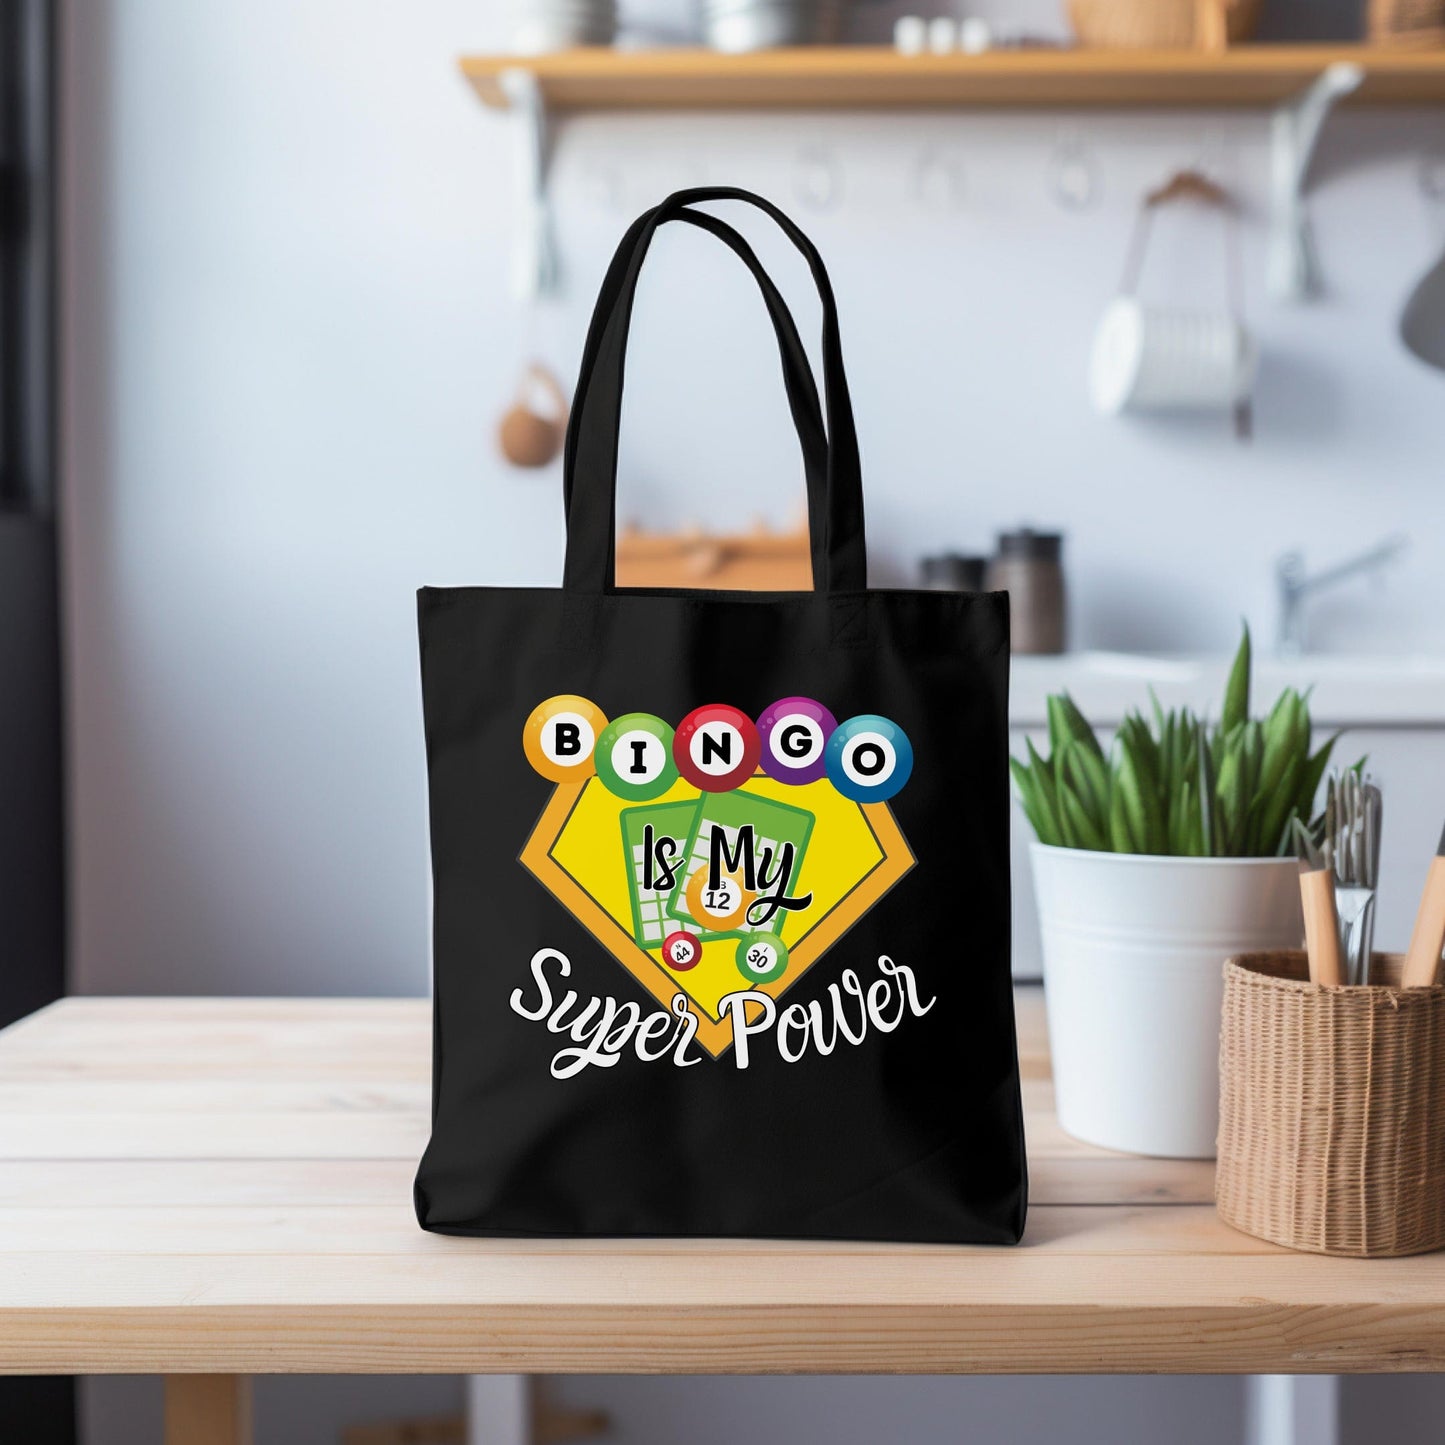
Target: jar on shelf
1028,566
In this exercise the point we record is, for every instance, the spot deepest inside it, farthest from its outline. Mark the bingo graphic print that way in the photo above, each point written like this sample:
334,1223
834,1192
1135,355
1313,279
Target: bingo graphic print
719,861
719,880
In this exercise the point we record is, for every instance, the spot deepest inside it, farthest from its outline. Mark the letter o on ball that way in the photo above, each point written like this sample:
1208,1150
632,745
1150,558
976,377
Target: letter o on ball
559,737
869,758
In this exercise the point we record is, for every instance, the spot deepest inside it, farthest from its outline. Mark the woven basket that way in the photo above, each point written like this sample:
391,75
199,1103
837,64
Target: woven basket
1155,24
1331,1109
1406,22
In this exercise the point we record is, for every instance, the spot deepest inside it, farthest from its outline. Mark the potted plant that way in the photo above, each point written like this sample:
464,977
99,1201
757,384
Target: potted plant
1154,862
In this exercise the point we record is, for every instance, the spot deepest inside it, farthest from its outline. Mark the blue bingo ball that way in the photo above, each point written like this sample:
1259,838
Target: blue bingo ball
869,758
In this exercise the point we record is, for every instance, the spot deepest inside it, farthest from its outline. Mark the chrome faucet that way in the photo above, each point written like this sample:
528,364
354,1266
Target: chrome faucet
1295,585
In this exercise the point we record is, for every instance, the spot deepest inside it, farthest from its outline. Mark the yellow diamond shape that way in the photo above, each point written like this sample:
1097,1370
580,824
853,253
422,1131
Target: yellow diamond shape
855,852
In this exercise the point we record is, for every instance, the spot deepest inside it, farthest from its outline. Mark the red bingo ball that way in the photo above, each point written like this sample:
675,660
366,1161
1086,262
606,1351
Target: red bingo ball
716,748
681,950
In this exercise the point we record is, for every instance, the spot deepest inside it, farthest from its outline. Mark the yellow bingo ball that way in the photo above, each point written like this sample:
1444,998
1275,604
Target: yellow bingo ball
560,736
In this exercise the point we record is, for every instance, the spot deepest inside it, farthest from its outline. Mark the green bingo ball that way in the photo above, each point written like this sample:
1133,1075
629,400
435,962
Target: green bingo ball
761,957
634,757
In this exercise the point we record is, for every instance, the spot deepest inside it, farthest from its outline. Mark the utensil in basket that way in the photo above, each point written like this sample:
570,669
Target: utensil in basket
1317,895
1422,962
1353,814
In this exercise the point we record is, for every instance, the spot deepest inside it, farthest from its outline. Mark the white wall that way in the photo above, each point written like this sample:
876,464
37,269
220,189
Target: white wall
287,336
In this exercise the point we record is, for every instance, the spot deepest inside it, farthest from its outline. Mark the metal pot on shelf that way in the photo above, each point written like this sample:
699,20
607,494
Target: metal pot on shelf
736,26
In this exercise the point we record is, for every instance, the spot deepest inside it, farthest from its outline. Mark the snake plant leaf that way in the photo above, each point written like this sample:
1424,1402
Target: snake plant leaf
1280,740
1044,826
1120,838
1080,829
1158,710
1236,691
1088,776
1044,780
1314,771
1066,721
1208,824
1136,783
1272,839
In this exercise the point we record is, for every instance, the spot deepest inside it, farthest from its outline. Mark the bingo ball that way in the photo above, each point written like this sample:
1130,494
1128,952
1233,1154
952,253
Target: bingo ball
761,957
560,735
681,950
794,735
716,748
634,757
869,758
719,908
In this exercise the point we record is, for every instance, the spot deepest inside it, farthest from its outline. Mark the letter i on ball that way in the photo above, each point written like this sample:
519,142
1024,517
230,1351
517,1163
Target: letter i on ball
634,757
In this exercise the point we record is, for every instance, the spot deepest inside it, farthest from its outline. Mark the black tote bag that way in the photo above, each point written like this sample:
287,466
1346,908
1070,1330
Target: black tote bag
721,881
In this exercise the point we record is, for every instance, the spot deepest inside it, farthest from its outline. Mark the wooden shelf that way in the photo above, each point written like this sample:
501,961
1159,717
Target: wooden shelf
864,76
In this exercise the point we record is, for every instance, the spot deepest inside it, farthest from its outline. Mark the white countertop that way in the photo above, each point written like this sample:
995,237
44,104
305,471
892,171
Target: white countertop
1405,691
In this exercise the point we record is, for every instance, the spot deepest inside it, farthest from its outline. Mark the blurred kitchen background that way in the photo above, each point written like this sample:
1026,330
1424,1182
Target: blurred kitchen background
288,329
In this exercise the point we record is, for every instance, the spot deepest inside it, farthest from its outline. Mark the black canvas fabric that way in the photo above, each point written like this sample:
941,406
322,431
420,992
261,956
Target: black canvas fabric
721,879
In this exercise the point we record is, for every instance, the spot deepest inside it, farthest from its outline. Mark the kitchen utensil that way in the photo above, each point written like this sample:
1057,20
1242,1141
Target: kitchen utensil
527,436
1148,358
1351,850
1028,566
1317,895
1427,942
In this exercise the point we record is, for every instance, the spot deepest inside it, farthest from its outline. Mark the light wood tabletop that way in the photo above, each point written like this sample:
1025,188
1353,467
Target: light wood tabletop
221,1187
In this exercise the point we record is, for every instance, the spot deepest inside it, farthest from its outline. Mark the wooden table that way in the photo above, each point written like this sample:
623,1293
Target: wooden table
210,1189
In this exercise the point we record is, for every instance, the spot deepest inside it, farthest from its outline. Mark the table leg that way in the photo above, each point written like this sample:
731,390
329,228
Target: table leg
1292,1410
208,1410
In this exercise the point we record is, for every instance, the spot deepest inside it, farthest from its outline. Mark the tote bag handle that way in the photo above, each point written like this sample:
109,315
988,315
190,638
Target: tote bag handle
797,372
835,489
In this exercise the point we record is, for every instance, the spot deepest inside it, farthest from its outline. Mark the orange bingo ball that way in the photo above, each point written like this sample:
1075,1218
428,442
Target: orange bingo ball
721,908
560,735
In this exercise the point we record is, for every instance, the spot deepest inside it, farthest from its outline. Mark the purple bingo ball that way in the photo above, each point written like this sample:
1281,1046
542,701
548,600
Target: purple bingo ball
795,733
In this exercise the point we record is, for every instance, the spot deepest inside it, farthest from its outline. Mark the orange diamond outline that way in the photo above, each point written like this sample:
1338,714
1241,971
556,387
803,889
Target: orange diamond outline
714,1036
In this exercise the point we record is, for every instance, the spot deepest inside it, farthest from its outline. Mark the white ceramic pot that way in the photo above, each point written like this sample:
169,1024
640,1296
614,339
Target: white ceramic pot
1134,948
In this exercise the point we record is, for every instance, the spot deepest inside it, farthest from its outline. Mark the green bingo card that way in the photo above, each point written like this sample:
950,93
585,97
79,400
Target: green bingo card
774,824
650,924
